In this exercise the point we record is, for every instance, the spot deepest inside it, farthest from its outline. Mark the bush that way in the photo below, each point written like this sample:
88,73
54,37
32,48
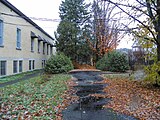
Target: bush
58,64
153,73
113,61
102,64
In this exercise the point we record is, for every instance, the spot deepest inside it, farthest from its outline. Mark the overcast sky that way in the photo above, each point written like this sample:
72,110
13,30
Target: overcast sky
47,9
40,9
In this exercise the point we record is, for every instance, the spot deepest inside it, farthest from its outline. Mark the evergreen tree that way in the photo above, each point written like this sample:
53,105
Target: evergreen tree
69,35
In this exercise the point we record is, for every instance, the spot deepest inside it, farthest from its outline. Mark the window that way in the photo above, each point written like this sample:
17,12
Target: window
43,63
18,38
43,48
20,66
15,67
32,44
39,43
31,64
1,33
2,68
51,50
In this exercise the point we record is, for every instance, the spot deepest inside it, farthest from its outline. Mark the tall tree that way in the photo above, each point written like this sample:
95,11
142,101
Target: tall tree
73,14
105,28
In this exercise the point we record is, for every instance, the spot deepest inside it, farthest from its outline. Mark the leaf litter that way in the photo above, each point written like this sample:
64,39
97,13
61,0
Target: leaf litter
134,98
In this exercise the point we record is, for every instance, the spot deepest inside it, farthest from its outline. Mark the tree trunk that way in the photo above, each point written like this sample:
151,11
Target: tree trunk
158,31
158,52
158,38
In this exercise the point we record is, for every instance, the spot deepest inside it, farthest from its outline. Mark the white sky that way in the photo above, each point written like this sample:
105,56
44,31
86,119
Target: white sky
47,9
40,9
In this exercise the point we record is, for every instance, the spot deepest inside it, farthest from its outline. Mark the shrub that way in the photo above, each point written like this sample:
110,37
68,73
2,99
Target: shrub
153,73
58,64
113,61
102,64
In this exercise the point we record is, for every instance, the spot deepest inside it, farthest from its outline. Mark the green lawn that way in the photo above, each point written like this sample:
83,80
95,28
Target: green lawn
118,76
33,99
17,76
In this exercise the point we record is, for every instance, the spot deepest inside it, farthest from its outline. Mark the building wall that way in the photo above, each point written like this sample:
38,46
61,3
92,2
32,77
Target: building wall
9,52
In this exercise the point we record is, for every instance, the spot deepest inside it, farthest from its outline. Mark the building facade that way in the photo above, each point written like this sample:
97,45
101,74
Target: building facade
24,46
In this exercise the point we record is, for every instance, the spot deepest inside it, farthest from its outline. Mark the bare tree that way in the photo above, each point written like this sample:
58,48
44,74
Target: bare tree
106,28
146,13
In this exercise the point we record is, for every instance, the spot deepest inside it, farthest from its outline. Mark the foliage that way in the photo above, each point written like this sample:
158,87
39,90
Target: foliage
102,64
113,61
148,44
34,99
105,28
145,40
69,35
153,73
58,64
139,11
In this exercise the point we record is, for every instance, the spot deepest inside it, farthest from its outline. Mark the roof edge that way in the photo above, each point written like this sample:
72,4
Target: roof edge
8,4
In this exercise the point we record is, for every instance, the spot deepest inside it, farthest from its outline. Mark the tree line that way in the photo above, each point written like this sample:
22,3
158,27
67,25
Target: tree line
89,30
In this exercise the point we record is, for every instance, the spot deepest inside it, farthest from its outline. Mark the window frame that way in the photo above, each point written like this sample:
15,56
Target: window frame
43,63
1,33
5,68
15,66
20,66
18,40
32,44
31,65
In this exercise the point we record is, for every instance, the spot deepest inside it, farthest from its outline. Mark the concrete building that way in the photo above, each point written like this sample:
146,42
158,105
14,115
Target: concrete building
24,46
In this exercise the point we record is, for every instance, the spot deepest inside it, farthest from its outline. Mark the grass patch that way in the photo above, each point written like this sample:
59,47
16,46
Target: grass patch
119,76
17,76
34,99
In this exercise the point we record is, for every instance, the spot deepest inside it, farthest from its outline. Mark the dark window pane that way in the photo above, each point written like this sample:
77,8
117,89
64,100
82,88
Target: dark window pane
30,65
33,64
18,38
14,66
20,66
1,32
2,67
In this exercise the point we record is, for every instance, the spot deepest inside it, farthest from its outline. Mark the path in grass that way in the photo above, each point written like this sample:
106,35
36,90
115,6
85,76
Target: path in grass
24,77
91,99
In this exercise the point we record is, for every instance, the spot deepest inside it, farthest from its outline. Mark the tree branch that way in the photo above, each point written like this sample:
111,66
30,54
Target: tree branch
151,14
134,19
